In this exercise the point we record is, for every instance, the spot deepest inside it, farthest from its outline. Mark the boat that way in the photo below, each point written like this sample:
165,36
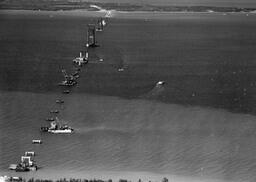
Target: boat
23,168
4,178
54,111
160,83
67,83
30,153
76,74
59,101
82,59
26,164
121,69
57,128
91,36
49,119
61,130
70,80
10,179
15,178
37,141
66,91
100,24
12,166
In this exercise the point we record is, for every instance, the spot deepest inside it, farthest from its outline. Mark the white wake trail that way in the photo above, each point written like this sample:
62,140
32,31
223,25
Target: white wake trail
108,13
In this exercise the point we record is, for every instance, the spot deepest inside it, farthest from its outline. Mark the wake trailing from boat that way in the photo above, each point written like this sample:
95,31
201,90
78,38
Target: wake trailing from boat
108,13
155,92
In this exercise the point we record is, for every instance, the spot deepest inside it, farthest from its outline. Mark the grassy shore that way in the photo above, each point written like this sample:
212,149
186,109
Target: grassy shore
50,5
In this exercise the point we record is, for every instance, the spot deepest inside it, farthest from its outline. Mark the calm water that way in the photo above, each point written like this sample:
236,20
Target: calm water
207,63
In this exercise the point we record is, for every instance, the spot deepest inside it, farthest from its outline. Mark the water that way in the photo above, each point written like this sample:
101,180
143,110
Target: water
205,59
113,134
183,128
220,3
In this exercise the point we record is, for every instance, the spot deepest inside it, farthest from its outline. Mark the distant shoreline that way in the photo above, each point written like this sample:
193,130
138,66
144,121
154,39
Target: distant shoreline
96,6
114,14
103,176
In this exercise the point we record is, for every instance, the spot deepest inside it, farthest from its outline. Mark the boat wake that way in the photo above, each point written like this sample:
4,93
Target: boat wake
155,92
108,13
102,130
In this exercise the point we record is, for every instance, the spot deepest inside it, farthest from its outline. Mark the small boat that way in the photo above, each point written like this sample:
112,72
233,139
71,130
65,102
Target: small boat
160,83
82,59
30,153
67,83
59,101
54,111
10,179
49,119
4,178
66,91
15,178
23,168
37,141
13,166
121,69
75,74
70,80
100,24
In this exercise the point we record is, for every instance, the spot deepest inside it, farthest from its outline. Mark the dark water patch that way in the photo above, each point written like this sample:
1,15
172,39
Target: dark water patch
205,61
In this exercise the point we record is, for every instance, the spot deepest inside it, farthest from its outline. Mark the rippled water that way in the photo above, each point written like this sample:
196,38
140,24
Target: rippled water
113,134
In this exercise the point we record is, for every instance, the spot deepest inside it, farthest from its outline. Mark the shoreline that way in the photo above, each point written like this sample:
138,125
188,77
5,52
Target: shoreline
114,176
117,6
118,14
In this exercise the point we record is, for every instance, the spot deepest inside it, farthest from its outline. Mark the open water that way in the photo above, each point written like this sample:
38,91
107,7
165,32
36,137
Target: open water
200,124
